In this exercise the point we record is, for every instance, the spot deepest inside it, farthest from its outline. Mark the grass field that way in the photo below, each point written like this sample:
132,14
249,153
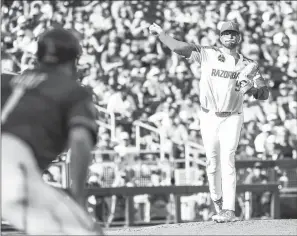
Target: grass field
251,227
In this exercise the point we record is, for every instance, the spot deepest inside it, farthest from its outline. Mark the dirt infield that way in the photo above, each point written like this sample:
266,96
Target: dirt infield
252,227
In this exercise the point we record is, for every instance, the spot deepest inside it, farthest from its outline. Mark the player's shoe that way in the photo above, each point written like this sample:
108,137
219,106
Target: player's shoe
226,216
218,207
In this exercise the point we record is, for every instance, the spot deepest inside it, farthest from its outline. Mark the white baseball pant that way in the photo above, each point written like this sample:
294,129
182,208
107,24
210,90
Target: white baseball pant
220,137
31,205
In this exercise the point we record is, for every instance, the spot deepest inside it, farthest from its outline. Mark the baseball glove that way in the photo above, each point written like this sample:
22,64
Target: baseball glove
245,79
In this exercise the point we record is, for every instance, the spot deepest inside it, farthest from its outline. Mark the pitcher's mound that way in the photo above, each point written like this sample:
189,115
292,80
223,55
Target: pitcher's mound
251,227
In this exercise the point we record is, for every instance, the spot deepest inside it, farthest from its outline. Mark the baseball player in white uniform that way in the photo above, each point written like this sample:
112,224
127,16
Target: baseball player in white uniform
226,76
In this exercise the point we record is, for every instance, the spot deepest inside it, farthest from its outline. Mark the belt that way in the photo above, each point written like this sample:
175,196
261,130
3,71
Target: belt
221,114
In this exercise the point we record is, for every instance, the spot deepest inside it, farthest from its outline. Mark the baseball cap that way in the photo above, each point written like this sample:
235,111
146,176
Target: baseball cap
229,25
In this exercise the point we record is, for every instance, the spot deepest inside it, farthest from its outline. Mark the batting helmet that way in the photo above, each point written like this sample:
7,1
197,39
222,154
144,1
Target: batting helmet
58,46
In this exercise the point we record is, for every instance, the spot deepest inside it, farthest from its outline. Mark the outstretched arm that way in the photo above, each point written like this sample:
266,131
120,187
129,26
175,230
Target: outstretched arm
179,47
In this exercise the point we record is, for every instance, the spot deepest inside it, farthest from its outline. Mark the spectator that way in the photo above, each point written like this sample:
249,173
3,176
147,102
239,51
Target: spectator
195,134
248,136
111,58
118,203
123,105
260,202
291,125
118,52
105,143
256,176
284,143
261,138
252,110
179,136
283,179
270,108
126,152
291,114
158,203
271,151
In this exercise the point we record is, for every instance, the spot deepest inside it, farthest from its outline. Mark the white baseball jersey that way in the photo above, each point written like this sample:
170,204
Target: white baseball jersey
219,90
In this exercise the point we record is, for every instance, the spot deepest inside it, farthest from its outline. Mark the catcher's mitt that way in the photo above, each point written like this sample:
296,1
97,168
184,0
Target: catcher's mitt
245,78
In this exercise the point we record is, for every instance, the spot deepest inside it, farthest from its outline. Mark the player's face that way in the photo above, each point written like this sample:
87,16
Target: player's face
230,39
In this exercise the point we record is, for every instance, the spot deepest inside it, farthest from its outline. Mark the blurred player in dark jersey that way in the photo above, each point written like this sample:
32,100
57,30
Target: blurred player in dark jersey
43,112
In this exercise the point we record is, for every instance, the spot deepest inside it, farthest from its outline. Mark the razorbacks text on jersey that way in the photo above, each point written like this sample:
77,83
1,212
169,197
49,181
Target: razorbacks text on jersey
40,106
219,89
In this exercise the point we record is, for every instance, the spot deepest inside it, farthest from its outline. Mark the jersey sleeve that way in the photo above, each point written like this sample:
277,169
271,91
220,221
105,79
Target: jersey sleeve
5,87
199,55
83,113
5,79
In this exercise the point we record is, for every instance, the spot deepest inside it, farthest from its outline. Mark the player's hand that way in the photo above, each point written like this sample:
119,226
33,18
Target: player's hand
155,29
245,84
245,79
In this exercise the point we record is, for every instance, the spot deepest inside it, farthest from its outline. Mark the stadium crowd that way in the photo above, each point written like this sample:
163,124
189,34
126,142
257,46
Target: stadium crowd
134,76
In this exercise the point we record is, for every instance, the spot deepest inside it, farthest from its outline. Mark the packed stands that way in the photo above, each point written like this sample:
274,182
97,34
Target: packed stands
134,78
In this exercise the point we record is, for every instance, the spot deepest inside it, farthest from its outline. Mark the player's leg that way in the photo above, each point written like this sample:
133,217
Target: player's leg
229,137
15,186
209,124
31,205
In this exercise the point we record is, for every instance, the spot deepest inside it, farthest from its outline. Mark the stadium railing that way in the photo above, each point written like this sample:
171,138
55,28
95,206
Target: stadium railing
285,164
193,153
110,125
268,165
184,190
178,191
139,125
